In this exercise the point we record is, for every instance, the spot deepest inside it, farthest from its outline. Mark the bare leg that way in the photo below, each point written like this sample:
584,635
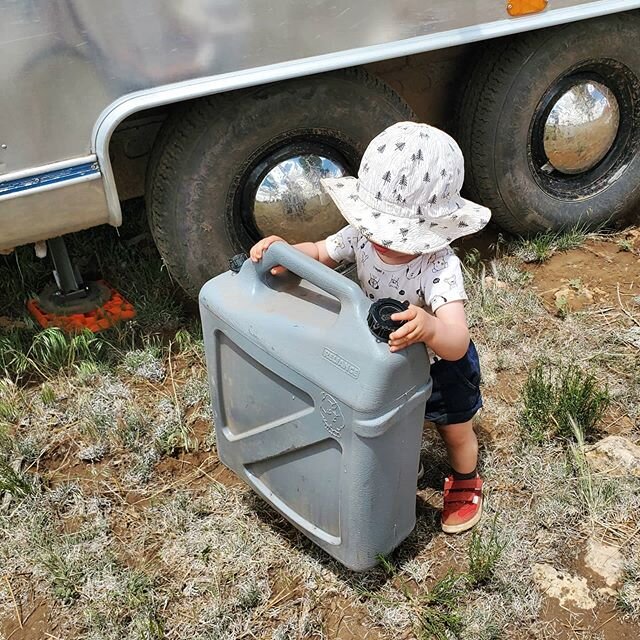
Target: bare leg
462,446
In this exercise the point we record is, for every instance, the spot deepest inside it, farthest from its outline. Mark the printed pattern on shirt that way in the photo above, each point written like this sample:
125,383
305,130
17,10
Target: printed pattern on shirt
428,281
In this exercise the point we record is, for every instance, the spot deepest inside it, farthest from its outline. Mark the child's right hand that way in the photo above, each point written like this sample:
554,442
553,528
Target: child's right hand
257,252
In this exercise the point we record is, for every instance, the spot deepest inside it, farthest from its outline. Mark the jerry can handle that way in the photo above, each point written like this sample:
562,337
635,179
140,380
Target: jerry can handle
283,254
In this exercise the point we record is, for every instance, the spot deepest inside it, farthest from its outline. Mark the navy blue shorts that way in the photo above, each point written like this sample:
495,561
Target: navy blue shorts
456,393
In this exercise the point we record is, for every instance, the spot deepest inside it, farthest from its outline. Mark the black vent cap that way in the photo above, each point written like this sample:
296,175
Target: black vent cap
235,263
379,318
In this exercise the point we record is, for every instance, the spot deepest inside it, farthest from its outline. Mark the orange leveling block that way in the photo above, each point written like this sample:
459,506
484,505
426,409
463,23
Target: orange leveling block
112,309
74,305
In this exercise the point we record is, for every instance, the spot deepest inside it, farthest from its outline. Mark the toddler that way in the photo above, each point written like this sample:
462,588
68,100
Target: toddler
403,210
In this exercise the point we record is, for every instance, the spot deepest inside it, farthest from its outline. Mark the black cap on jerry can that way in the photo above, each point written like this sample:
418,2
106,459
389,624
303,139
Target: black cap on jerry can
235,263
379,318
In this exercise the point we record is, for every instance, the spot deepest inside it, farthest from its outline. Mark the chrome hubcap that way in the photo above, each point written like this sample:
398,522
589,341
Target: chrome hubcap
291,202
581,128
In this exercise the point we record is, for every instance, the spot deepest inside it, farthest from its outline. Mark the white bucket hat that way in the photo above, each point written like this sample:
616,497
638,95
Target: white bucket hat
407,193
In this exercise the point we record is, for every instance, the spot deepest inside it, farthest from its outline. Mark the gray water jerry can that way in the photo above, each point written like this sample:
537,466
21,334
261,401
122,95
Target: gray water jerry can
314,413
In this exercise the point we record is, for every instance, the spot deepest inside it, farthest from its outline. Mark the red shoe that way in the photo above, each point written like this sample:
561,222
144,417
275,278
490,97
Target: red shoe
462,504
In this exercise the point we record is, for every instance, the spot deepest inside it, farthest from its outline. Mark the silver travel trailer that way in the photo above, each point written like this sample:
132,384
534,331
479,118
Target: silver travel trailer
225,113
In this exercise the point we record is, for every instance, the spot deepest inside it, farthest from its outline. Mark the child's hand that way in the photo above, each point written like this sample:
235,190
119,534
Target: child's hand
257,252
419,327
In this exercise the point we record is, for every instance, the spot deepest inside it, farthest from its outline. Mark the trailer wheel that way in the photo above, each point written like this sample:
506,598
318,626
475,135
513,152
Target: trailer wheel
230,169
549,124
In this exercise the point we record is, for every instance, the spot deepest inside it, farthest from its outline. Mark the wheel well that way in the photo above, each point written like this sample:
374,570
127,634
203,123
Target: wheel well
428,82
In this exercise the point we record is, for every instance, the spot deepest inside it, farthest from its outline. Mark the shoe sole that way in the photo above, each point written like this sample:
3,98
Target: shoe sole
464,526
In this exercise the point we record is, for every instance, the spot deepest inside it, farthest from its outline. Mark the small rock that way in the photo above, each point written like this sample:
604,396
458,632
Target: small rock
568,589
604,560
615,455
570,299
92,453
491,283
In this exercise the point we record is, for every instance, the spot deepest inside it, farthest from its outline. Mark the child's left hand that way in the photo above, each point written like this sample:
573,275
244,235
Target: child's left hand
419,327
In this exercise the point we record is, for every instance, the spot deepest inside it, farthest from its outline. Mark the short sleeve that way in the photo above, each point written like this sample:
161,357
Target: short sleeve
442,281
341,246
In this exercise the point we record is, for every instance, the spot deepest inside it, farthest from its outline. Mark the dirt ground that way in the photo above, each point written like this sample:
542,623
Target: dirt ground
149,536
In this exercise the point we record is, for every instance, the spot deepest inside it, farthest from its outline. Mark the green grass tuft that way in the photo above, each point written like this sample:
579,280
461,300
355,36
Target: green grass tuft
387,565
11,401
47,352
47,395
64,578
14,481
553,399
542,246
439,617
484,554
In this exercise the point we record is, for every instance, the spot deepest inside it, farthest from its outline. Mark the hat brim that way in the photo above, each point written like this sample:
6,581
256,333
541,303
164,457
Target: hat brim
406,235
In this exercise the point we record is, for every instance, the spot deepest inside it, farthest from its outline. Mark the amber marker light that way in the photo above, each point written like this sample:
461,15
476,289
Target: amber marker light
525,7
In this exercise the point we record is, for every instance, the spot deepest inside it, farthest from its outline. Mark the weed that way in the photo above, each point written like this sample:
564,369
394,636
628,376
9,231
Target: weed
628,600
63,577
185,341
11,401
13,480
145,364
8,411
542,246
87,372
536,249
593,493
484,554
13,357
571,238
51,350
171,433
93,453
131,429
29,447
472,259
553,399
47,352
104,408
625,244
251,593
6,442
47,394
195,391
141,468
387,565
438,615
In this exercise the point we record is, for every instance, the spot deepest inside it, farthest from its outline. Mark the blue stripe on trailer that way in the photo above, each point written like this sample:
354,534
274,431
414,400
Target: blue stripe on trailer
48,178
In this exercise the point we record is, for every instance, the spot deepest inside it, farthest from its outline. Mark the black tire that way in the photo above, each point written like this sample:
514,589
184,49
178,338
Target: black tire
499,136
205,150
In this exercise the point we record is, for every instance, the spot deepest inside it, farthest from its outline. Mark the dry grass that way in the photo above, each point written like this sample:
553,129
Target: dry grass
115,512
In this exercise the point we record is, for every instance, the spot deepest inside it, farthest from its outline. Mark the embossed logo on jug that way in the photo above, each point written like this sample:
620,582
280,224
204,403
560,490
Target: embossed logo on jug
331,413
341,363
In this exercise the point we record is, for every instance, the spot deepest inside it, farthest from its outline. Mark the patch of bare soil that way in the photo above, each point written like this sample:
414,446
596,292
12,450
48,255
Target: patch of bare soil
599,275
344,620
567,623
34,622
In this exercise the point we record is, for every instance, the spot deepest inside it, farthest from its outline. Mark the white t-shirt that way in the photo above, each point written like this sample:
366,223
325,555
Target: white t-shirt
428,281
